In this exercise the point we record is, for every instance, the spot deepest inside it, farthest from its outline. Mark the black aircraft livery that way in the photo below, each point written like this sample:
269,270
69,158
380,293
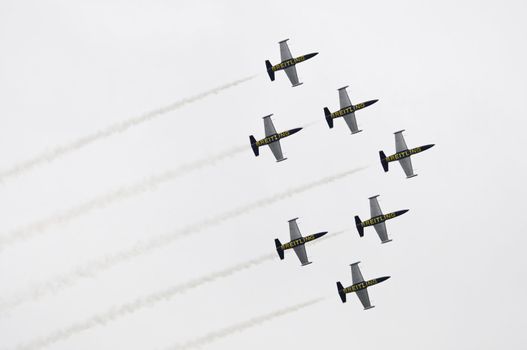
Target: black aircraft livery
358,286
401,155
270,139
295,243
350,109
286,64
376,220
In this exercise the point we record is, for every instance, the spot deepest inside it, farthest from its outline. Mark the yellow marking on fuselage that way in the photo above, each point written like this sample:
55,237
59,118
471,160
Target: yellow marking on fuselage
297,242
359,286
378,219
288,63
403,154
350,109
342,112
272,138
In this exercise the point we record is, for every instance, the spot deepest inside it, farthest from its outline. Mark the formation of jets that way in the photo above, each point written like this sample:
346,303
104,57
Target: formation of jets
378,219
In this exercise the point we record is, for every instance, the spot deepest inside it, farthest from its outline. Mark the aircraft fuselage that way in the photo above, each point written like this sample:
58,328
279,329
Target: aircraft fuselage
350,109
382,218
291,62
276,137
407,153
365,284
299,241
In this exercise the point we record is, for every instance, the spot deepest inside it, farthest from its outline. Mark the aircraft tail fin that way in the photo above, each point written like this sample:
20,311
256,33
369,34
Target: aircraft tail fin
254,146
358,223
327,113
270,71
279,249
384,162
340,289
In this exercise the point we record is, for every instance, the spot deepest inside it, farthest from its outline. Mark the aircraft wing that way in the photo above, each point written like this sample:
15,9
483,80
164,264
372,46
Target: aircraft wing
375,209
364,298
277,151
406,164
291,74
344,98
356,275
301,253
381,232
400,144
285,54
268,125
352,122
294,231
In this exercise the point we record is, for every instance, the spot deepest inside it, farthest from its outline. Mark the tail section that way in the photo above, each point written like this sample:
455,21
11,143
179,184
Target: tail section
254,146
340,289
270,71
358,223
279,249
327,113
384,162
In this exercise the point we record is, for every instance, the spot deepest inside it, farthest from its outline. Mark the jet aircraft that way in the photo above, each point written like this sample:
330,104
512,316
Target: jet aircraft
402,154
272,139
347,111
377,220
297,243
288,63
359,286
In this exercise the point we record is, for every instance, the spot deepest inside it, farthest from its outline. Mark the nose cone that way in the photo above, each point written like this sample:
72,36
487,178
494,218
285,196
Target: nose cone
382,279
424,148
311,55
401,212
294,131
320,234
369,103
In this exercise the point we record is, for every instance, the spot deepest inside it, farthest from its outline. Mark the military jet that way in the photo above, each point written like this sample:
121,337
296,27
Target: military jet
359,286
403,155
297,242
347,111
288,63
377,220
272,139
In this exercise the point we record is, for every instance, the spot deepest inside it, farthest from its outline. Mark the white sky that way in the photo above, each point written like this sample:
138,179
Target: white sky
450,73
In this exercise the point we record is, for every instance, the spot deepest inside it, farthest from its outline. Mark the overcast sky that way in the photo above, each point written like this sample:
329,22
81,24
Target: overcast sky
451,73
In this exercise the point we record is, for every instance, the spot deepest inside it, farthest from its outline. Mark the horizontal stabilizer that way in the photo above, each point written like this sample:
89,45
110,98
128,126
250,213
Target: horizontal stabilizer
327,114
358,224
340,290
270,71
369,307
279,249
254,146
409,177
383,161
306,263
281,160
386,241
297,84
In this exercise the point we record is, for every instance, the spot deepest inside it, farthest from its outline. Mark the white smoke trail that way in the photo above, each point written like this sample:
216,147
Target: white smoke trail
106,262
147,184
239,327
111,130
55,285
138,304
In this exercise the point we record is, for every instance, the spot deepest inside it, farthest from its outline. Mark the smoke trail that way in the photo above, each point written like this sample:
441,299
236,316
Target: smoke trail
239,327
144,247
117,128
104,200
138,304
